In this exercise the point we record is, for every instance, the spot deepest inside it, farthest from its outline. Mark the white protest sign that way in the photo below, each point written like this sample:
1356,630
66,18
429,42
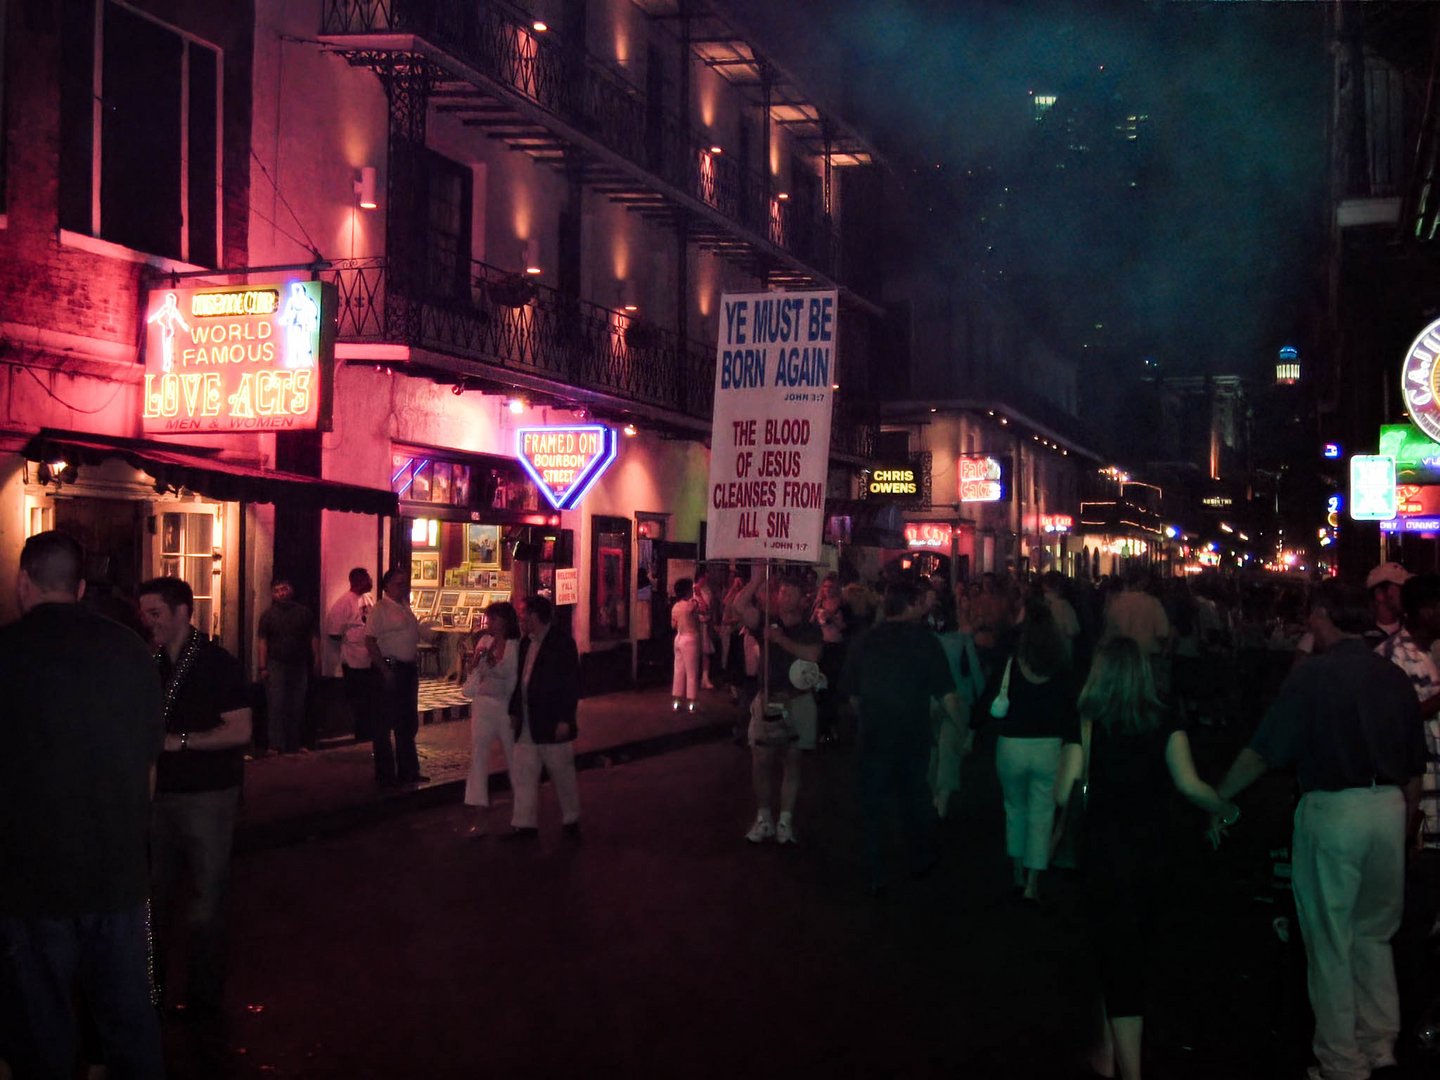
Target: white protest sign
770,443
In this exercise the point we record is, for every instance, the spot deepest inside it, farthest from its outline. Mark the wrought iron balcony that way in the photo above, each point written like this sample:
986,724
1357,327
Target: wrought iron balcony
533,85
513,325
510,325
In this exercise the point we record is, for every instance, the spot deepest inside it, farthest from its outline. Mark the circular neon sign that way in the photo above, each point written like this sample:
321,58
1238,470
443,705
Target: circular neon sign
1418,381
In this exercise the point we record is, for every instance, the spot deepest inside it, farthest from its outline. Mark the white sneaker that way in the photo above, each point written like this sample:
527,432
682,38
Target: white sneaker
785,833
761,831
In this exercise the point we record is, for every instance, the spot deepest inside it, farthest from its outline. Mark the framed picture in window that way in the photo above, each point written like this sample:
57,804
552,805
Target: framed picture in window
462,618
440,482
449,600
460,485
430,571
482,545
420,489
417,570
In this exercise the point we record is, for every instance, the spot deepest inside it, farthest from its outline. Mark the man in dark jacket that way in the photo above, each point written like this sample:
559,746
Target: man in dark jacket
81,726
542,710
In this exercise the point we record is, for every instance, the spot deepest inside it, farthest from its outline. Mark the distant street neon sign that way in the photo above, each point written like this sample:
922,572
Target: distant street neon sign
565,462
924,534
982,478
255,357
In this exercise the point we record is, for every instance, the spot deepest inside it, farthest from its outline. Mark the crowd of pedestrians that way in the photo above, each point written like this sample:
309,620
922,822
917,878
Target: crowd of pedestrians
1091,691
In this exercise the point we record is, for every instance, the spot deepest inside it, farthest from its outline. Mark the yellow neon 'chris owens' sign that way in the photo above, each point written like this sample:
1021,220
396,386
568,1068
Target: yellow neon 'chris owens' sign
242,358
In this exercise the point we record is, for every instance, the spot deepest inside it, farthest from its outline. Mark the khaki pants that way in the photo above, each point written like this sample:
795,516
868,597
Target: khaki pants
1349,877
559,762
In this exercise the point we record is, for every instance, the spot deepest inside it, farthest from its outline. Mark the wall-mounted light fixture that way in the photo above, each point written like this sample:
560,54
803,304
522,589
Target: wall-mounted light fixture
630,429
628,300
717,150
532,257
365,188
540,26
516,405
782,196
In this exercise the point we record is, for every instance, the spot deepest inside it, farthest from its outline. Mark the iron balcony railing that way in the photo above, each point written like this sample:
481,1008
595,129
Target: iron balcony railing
512,324
580,92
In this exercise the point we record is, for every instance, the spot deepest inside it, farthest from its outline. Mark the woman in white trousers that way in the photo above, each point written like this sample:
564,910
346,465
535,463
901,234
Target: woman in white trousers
494,671
1041,692
685,621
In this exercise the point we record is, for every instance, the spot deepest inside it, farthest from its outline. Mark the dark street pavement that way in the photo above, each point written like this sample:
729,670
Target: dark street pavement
663,945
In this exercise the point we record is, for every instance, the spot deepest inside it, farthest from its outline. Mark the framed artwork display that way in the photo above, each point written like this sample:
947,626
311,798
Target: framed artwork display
440,482
482,545
430,571
417,569
460,485
462,618
425,599
449,600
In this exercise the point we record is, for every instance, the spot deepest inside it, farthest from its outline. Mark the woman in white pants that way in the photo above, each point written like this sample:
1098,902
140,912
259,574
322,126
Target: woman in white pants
685,621
1041,715
494,672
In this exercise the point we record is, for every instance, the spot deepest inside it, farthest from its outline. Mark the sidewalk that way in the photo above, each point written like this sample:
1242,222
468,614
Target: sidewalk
293,798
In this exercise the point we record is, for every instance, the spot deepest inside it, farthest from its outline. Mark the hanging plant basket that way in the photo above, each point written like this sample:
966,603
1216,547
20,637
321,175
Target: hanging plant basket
511,292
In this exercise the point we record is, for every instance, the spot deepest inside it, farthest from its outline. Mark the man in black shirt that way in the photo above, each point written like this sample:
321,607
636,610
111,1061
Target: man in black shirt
1348,722
287,641
197,791
81,729
892,674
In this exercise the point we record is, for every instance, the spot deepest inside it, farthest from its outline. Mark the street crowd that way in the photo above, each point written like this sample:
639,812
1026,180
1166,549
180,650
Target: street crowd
1091,690
119,793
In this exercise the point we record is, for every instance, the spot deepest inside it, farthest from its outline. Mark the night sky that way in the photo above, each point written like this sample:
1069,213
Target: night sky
1213,262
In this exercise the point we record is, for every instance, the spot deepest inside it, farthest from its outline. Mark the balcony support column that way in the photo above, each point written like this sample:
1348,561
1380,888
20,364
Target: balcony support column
407,82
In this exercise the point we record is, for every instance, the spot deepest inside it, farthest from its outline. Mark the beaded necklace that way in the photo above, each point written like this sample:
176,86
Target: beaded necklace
182,667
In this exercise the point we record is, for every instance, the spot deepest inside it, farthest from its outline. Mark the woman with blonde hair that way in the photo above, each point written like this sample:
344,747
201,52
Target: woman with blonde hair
1129,754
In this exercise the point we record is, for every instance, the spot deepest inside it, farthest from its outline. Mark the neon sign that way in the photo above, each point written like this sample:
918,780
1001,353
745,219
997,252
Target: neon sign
891,481
239,358
925,534
565,462
983,478
1417,381
1372,487
1056,523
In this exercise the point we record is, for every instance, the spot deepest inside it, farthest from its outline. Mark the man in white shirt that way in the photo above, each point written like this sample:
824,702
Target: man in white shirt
345,626
392,636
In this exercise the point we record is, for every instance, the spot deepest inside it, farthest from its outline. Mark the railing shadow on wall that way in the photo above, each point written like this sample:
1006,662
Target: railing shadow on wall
578,90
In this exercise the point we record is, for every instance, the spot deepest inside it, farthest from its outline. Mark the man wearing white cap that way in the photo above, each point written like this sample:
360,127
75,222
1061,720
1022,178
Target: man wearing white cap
1383,584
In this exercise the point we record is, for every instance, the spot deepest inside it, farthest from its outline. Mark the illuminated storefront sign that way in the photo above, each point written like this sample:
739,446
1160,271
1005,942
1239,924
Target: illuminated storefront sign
927,534
1372,487
891,481
1417,456
984,478
1418,381
243,358
565,461
1056,523
1411,525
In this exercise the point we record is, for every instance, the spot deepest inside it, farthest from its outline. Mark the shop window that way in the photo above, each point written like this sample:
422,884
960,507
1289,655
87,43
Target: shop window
610,579
188,551
139,133
424,478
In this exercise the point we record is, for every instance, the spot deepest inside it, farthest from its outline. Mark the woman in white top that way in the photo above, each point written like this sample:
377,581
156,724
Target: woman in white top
494,671
685,621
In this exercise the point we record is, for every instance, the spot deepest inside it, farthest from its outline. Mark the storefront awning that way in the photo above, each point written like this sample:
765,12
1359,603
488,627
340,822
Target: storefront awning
211,476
